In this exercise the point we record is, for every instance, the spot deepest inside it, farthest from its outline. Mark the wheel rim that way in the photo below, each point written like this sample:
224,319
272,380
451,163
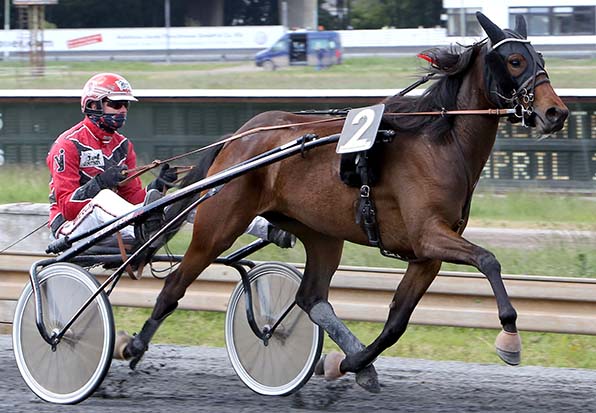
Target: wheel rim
81,360
287,362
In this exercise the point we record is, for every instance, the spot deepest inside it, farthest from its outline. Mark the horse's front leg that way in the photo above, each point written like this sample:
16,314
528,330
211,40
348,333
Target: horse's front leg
412,287
446,245
322,259
175,286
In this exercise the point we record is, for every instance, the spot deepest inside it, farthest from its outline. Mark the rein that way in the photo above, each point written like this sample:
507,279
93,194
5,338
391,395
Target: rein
133,173
492,112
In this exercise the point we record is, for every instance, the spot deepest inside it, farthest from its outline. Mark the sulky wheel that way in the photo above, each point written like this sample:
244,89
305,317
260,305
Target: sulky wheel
285,363
82,358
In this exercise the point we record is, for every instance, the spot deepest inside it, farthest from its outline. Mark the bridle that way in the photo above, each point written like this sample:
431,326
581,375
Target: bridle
522,96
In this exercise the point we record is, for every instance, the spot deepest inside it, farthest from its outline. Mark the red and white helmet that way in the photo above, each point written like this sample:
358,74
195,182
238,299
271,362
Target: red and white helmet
104,85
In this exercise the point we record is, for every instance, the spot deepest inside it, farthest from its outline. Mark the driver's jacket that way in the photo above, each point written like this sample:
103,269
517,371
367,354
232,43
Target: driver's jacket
78,155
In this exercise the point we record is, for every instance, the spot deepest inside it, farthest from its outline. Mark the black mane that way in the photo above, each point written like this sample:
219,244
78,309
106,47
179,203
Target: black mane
449,67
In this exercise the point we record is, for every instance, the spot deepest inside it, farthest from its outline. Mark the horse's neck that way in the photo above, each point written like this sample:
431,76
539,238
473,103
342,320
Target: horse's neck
475,135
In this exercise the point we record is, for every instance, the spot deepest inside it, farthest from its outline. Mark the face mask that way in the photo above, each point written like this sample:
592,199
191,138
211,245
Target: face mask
114,121
109,122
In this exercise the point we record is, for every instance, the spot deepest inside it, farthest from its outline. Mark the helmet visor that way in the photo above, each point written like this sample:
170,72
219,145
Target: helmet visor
117,97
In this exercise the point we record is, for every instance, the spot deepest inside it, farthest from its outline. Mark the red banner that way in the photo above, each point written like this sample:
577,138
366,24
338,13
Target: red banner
84,41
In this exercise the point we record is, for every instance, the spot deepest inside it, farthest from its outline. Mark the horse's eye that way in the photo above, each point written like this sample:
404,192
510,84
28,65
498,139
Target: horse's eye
515,62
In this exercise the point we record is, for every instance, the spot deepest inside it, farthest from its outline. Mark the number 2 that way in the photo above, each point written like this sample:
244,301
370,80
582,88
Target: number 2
368,115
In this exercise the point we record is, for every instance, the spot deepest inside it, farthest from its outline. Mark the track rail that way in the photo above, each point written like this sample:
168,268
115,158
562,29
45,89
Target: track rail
547,304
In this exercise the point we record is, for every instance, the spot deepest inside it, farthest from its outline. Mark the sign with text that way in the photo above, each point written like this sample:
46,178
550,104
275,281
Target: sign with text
152,38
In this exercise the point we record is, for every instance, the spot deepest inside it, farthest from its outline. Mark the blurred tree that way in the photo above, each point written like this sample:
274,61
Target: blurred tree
374,14
361,14
251,12
328,20
368,14
114,13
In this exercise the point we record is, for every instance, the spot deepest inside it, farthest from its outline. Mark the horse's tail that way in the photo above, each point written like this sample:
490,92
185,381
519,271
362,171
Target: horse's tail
199,171
205,160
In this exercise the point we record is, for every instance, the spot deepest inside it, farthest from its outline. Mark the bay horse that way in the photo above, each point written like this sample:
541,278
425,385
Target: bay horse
426,179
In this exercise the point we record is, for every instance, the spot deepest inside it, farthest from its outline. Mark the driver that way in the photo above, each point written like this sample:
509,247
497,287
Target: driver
87,165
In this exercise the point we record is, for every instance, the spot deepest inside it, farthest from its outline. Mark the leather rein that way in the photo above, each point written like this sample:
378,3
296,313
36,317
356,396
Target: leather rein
134,173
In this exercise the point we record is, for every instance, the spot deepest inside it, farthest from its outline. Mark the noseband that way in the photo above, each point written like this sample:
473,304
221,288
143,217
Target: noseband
522,95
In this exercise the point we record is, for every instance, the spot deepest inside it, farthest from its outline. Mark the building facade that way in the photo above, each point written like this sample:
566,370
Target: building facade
543,17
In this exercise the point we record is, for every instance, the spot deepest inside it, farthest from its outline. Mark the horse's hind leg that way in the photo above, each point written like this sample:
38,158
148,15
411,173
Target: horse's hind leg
322,259
412,287
203,250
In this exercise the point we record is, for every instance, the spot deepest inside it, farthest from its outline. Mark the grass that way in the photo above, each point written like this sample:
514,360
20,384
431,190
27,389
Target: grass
526,209
354,73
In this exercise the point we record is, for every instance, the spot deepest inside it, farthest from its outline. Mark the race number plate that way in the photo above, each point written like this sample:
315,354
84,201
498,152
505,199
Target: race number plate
360,129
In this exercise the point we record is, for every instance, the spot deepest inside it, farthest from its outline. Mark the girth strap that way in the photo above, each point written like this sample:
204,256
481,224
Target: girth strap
366,214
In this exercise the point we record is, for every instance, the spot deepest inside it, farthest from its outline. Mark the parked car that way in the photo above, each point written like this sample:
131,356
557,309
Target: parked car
320,49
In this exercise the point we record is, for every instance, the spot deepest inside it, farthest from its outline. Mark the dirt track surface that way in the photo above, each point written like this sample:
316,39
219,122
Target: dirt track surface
199,379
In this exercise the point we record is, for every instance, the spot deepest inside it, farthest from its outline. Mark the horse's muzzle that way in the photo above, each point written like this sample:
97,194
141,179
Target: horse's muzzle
552,120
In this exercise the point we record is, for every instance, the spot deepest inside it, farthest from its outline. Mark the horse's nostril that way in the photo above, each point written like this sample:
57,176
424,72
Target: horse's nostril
556,115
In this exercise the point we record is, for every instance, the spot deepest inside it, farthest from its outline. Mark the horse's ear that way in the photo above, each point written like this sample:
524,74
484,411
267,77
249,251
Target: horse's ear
520,26
494,32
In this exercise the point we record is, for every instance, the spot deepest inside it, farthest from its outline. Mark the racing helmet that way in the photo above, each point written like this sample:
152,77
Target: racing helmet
104,85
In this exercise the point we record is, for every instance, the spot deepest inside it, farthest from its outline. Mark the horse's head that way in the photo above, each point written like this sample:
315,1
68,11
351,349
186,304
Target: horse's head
515,78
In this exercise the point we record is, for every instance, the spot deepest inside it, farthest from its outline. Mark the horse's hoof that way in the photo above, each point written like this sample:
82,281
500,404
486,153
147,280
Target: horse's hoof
508,346
134,351
122,340
331,365
368,379
320,366
133,363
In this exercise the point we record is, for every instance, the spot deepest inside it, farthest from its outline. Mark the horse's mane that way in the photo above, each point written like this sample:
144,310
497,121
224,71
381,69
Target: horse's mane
449,65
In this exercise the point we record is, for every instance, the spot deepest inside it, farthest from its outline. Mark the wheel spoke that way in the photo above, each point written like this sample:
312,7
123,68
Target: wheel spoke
287,361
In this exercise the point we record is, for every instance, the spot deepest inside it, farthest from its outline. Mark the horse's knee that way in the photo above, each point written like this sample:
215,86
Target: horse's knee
488,264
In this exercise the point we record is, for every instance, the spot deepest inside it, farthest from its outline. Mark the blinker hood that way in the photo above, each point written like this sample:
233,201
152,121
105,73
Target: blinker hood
500,85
